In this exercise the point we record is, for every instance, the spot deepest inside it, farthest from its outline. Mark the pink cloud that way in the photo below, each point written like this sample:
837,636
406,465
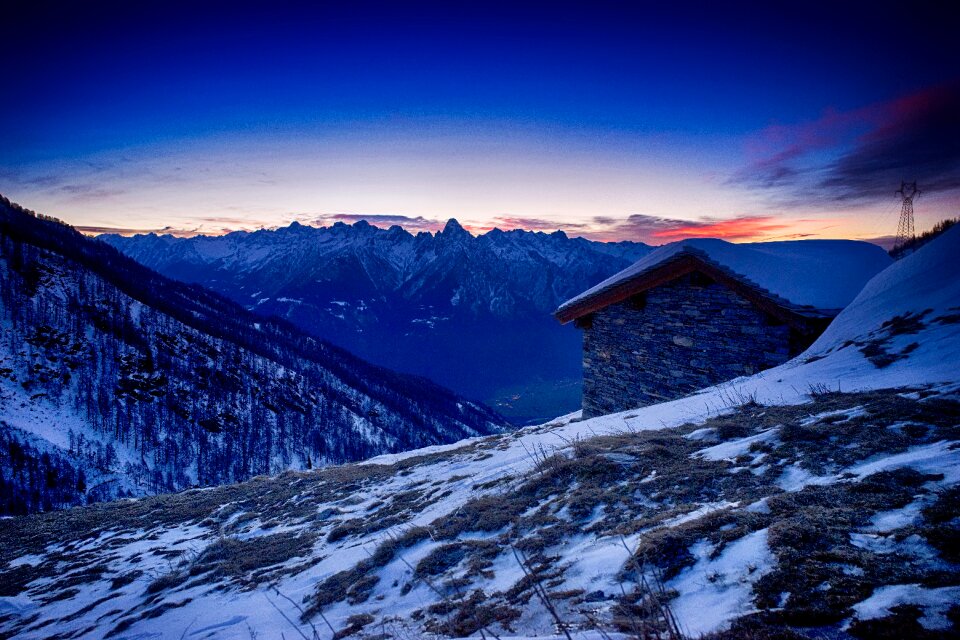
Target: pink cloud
862,153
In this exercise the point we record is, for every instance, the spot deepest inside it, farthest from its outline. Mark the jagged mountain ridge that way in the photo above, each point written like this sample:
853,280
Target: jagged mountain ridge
497,273
115,380
471,312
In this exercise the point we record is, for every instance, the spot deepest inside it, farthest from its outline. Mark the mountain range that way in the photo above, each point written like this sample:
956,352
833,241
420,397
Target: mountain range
469,312
117,381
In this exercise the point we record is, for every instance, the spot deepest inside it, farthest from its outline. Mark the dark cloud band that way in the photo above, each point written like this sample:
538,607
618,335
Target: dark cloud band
861,156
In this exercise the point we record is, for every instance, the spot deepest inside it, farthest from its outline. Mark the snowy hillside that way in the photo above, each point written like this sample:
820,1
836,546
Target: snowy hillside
469,312
817,499
115,381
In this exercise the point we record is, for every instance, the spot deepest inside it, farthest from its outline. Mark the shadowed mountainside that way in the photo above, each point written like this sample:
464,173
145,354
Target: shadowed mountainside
115,381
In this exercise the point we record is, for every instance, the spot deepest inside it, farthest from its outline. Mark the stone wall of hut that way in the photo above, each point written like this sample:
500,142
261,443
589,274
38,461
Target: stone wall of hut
674,339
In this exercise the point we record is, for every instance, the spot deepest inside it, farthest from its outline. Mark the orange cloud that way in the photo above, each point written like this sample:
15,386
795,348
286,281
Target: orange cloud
659,230
746,228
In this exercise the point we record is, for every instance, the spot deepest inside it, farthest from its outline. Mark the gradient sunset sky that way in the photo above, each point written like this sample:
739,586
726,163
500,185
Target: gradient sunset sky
613,121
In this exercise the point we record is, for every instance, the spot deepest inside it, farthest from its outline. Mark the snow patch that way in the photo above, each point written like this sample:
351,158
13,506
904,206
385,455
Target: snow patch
886,521
735,448
935,603
714,592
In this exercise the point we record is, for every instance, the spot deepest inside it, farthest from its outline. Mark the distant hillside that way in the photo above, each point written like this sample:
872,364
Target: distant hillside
472,313
116,381
818,499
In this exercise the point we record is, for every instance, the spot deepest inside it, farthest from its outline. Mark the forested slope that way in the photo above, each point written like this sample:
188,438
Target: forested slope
118,381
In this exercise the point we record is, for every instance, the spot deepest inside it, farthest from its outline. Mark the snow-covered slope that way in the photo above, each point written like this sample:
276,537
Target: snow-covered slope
772,502
824,274
116,381
929,276
469,312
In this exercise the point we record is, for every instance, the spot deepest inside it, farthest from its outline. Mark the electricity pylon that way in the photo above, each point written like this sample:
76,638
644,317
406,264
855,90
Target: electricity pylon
907,192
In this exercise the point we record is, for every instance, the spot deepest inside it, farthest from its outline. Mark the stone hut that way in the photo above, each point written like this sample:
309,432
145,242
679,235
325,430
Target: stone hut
695,313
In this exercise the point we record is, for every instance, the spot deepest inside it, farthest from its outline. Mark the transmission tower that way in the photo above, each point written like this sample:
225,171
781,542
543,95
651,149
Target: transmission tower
907,192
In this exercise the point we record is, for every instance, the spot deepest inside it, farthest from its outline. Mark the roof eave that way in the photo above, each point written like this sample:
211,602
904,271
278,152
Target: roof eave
662,273
802,318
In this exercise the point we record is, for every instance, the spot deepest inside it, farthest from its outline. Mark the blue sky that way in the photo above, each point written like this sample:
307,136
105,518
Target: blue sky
612,120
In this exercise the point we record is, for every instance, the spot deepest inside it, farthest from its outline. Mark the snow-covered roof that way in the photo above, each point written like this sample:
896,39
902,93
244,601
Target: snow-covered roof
924,282
819,274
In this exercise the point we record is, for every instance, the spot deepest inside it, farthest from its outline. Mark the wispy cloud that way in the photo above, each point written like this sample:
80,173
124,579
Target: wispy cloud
536,224
660,230
861,155
637,227
200,225
410,223
83,192
95,230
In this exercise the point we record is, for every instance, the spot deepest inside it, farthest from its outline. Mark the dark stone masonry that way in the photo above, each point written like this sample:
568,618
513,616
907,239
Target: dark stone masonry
674,339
